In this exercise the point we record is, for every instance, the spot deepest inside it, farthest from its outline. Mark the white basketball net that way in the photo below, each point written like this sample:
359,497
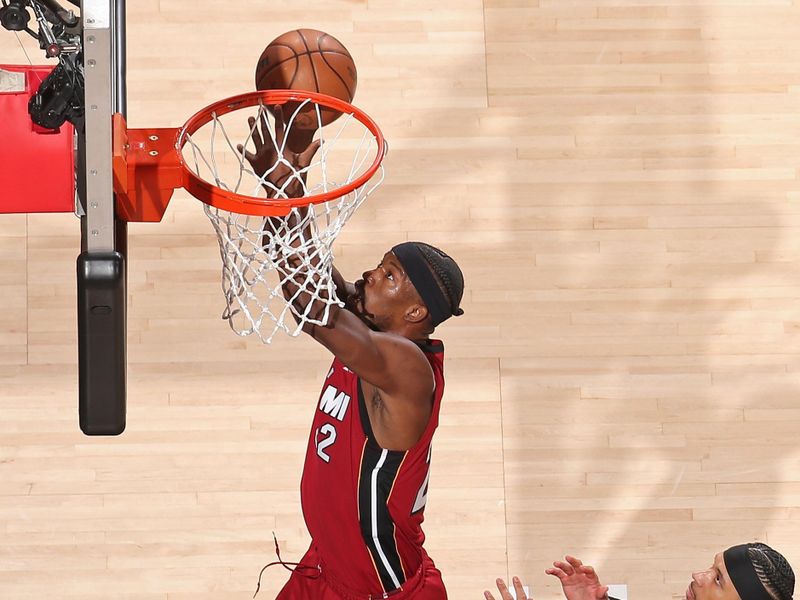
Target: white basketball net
255,250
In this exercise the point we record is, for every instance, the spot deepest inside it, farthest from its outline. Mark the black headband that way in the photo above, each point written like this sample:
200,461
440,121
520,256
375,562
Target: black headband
419,272
743,574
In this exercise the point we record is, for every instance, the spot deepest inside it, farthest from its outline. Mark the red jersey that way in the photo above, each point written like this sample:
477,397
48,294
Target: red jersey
364,505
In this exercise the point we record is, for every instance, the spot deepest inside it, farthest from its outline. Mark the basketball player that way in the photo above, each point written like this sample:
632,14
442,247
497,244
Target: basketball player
365,479
745,572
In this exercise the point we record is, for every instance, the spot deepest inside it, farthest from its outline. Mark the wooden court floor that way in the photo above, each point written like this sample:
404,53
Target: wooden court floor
619,181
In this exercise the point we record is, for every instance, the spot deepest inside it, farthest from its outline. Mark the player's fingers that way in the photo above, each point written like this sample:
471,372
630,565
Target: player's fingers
248,155
254,133
518,589
601,592
566,567
280,124
503,588
488,595
265,133
556,573
588,571
575,562
308,153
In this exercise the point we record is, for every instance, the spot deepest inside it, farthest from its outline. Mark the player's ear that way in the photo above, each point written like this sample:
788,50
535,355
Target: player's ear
416,313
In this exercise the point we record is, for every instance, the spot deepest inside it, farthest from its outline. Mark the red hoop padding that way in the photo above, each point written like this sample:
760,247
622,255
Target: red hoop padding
37,170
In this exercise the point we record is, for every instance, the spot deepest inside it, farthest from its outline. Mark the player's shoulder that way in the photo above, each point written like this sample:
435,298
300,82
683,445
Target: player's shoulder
401,351
412,372
431,346
397,346
392,342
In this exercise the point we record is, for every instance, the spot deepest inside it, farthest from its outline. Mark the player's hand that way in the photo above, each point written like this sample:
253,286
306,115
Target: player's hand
505,594
578,581
282,178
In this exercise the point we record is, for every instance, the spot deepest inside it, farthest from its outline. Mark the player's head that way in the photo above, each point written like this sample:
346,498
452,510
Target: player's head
744,572
413,289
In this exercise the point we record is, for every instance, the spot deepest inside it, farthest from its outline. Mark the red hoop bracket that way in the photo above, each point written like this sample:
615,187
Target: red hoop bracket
149,165
147,170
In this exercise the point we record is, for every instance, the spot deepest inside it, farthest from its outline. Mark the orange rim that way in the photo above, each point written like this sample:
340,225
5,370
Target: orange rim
270,207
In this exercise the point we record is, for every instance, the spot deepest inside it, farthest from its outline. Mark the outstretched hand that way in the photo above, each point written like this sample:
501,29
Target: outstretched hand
578,581
505,594
280,177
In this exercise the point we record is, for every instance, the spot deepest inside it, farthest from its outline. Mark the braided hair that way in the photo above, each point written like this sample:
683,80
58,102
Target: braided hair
447,273
773,571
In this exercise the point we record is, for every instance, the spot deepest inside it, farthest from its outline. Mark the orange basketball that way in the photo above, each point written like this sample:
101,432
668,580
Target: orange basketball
311,60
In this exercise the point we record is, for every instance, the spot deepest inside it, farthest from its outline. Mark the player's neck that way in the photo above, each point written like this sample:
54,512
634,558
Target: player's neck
409,331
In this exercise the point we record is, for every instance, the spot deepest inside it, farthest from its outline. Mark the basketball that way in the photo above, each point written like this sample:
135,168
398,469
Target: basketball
311,60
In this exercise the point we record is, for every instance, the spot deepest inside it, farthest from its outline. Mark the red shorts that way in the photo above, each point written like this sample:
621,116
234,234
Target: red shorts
306,584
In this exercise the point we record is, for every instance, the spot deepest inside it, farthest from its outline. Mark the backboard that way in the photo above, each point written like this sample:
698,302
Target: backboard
61,136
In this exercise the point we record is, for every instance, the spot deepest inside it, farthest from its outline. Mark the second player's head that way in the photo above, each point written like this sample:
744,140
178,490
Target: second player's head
744,572
413,289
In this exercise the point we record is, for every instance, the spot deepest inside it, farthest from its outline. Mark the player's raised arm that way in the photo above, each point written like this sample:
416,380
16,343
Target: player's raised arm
280,175
388,314
383,328
374,334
